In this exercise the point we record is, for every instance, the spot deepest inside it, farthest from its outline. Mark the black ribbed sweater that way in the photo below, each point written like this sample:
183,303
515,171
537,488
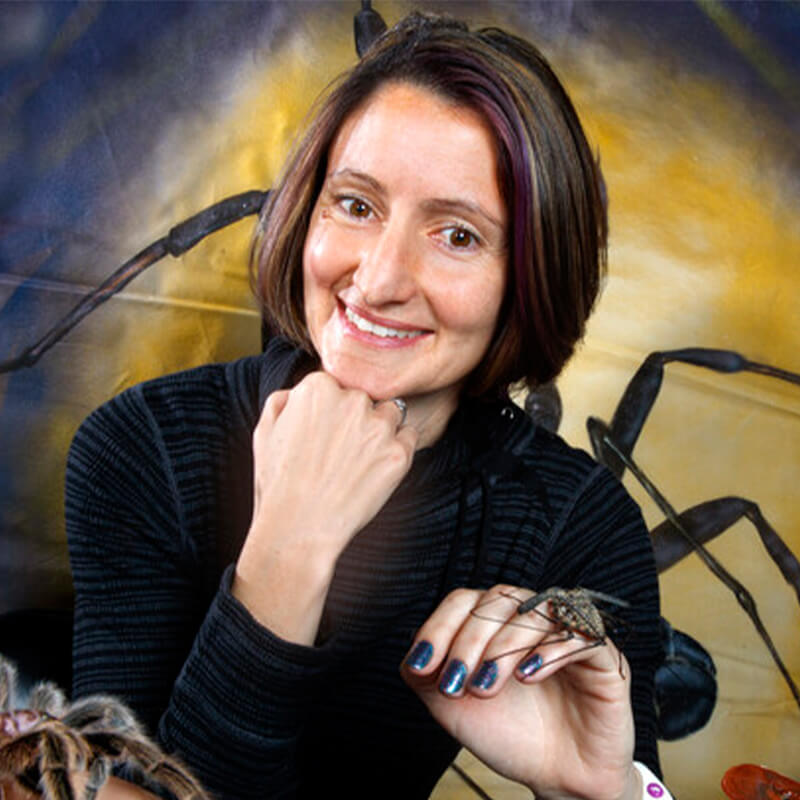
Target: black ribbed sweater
158,502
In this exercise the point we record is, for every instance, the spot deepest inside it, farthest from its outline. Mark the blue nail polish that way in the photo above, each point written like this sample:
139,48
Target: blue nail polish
530,665
486,675
453,678
419,657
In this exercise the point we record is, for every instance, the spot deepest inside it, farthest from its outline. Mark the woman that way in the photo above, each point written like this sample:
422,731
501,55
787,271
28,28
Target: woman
258,547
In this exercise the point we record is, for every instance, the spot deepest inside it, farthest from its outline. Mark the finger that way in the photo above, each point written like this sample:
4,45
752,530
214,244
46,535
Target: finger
467,625
565,648
508,637
408,436
392,410
433,640
275,404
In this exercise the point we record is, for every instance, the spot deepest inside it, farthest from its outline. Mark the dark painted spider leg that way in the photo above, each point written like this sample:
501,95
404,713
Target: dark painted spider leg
368,25
707,520
744,597
180,238
640,395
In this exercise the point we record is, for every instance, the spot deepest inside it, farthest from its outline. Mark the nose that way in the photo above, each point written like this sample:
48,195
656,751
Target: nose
386,268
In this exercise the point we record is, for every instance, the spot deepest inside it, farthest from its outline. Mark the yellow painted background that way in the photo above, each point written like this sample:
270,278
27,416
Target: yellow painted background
705,251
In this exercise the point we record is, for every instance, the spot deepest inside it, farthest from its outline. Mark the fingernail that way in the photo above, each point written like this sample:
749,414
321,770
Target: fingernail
530,665
453,678
486,675
419,657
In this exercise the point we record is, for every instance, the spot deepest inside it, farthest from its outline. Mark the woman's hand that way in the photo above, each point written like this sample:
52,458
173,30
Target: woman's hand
552,715
326,461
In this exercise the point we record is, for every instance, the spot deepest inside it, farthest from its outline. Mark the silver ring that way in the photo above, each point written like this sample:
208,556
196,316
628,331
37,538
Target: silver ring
401,404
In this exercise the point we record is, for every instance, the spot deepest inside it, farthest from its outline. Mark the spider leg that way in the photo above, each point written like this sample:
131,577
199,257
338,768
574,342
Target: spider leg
99,713
19,755
588,625
567,636
740,592
99,770
168,771
146,757
8,684
55,763
47,697
708,520
479,613
641,392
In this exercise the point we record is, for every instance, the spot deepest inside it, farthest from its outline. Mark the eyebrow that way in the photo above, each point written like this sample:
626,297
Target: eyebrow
434,204
353,174
460,207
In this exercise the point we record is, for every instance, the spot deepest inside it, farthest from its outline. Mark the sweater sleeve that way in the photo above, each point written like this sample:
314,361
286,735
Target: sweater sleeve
214,686
600,542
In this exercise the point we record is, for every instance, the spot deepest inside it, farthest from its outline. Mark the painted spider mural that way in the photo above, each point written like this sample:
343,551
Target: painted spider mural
48,744
687,665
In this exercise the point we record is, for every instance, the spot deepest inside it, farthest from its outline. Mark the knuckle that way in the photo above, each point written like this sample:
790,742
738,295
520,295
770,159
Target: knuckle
461,597
272,402
315,382
508,590
260,429
503,588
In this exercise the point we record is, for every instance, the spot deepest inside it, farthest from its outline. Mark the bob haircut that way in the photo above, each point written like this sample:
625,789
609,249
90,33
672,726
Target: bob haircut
548,178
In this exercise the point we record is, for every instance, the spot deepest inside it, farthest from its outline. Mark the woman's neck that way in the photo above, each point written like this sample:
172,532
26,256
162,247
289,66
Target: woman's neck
430,414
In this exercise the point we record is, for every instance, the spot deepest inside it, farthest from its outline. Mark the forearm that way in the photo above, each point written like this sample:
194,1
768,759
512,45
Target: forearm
284,588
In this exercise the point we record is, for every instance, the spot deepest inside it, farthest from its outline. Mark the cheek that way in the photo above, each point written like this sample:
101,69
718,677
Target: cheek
472,308
324,263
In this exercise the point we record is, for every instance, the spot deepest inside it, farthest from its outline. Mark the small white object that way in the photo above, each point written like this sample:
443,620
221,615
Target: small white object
652,788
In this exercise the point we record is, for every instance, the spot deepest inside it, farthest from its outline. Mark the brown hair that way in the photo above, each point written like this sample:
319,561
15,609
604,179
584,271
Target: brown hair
549,180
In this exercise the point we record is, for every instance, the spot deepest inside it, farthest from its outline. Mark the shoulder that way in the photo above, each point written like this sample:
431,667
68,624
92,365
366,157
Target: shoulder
200,404
182,402
574,490
563,470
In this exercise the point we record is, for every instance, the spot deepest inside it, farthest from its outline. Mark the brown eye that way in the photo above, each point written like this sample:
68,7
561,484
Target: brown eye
460,238
356,208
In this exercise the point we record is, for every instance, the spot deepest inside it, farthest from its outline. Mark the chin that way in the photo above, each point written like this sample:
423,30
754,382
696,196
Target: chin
353,376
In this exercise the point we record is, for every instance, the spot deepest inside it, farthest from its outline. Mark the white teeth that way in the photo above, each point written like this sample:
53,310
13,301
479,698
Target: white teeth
378,330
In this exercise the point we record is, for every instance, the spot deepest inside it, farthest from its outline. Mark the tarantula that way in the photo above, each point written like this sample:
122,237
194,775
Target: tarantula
46,745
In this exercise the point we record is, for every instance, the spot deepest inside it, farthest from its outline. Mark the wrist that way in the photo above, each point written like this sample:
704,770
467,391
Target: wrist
285,595
633,784
640,783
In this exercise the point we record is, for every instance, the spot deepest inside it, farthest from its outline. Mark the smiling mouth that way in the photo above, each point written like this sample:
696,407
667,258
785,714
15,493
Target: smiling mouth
379,330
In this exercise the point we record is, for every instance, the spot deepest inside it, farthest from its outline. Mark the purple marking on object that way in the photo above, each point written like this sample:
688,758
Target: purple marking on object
654,790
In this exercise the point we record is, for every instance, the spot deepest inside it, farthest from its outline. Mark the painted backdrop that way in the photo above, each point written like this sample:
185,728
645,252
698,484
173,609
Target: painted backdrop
119,119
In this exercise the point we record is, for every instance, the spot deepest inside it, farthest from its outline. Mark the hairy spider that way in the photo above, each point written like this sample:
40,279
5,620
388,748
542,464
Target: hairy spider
46,745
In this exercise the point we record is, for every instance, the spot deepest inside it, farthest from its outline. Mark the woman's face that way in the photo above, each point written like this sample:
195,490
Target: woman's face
404,264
